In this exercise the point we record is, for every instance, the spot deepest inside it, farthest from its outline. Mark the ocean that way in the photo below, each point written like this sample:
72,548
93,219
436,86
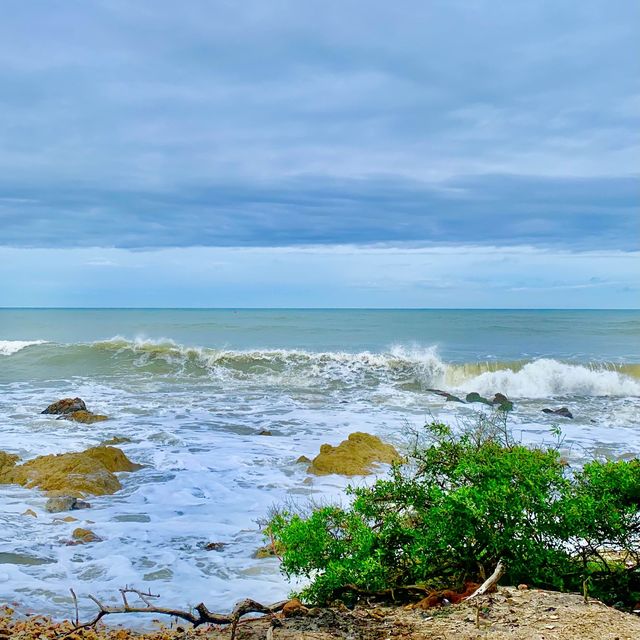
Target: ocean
193,389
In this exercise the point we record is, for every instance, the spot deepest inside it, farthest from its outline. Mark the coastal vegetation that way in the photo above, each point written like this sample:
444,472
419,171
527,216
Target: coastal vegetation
457,505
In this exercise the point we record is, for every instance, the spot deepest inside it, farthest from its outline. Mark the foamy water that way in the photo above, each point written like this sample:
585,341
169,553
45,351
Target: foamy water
194,412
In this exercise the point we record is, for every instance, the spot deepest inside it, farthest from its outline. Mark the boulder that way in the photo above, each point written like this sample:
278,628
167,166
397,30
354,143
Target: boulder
66,405
73,474
563,411
354,456
7,465
504,404
83,416
474,396
65,503
83,536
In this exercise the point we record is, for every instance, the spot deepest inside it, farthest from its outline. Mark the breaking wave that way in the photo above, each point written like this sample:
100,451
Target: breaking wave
411,368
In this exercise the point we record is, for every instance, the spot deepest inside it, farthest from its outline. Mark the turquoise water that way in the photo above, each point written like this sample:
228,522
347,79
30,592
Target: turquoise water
193,390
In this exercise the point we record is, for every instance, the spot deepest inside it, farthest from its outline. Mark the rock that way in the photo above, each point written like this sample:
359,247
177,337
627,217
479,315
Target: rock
523,587
83,416
265,552
474,396
30,512
294,608
354,456
504,404
115,440
445,394
303,460
65,503
66,405
265,432
84,535
73,474
7,465
214,546
563,411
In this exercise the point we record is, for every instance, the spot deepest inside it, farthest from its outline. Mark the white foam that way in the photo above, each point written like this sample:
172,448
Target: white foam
545,378
9,347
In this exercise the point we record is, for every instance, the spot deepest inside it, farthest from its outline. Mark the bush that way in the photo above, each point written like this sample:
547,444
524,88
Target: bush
460,503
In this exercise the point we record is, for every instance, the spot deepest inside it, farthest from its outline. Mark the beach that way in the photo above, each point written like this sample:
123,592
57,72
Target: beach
218,405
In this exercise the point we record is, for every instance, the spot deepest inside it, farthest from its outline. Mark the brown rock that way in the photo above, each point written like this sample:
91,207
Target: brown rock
84,535
294,608
354,456
66,405
30,512
83,416
73,474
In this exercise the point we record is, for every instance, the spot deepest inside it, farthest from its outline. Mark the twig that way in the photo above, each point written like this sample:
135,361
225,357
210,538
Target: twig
75,602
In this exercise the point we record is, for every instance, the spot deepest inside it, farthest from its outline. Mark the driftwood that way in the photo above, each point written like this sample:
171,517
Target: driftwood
197,616
489,583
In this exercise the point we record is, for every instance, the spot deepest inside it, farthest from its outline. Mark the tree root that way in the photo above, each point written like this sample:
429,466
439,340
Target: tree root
197,616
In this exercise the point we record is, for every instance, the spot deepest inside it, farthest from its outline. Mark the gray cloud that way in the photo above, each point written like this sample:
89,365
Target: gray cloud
155,124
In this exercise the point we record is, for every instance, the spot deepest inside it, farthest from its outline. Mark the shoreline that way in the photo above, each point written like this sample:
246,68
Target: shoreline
510,614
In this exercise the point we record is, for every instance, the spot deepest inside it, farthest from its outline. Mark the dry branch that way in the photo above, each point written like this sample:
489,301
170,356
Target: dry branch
197,616
489,583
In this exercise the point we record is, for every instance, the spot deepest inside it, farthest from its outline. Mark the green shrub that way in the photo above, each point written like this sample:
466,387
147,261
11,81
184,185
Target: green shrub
459,504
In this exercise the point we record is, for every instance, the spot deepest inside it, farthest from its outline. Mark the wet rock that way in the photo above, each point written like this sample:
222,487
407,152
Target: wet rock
303,460
7,464
84,536
445,394
563,412
73,474
265,432
504,404
29,512
66,405
214,546
354,456
267,551
474,396
83,416
65,503
115,440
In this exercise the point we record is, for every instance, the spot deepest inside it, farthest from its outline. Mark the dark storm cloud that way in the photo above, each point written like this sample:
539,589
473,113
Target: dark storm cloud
154,124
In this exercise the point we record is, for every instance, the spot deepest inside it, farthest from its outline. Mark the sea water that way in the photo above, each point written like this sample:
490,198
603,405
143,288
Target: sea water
193,390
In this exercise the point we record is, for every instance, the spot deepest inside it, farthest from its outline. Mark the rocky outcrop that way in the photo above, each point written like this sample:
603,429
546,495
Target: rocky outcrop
84,536
353,457
90,472
73,409
66,405
563,412
499,399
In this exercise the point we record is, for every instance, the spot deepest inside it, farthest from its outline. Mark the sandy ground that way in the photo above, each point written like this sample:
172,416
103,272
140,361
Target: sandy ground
508,614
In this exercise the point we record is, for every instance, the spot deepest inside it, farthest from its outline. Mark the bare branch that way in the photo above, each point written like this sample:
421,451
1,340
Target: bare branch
198,616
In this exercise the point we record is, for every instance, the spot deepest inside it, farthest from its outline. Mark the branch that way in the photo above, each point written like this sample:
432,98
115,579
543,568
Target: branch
198,616
489,583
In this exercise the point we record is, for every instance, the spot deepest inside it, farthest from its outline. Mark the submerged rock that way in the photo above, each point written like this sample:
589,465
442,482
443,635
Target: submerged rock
72,474
65,503
83,416
66,405
354,456
563,411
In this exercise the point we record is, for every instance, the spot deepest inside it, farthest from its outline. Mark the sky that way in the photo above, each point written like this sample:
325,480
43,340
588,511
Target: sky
440,153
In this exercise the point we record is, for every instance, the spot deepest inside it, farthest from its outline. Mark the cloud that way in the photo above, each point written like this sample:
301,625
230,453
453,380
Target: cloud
151,124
